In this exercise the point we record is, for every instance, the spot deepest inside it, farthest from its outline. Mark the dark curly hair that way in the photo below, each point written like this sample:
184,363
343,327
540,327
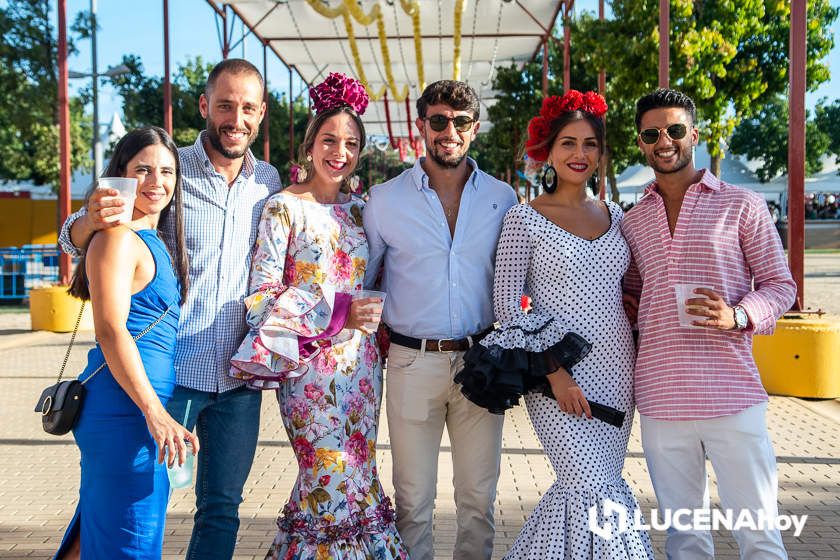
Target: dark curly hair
457,95
665,98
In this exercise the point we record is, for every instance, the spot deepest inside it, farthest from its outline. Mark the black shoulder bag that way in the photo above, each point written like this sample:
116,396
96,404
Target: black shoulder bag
60,404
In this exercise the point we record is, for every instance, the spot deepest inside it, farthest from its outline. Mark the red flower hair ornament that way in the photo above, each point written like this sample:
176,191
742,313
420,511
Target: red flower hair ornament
552,107
337,90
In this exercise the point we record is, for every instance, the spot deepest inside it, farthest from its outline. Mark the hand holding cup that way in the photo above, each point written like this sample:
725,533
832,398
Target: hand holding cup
366,311
710,306
112,203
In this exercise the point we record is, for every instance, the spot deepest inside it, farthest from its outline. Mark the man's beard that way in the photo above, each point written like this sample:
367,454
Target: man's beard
681,163
450,162
216,141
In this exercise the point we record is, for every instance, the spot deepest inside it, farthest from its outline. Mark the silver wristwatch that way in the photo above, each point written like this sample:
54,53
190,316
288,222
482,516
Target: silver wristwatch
741,319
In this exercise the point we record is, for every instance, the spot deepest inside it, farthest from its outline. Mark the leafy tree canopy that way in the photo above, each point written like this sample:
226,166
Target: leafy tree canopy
730,57
29,92
764,137
828,122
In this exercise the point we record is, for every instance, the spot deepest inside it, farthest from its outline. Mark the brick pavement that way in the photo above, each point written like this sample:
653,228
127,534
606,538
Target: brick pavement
39,473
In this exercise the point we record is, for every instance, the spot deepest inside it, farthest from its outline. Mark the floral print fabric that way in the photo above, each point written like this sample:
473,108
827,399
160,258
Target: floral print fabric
309,259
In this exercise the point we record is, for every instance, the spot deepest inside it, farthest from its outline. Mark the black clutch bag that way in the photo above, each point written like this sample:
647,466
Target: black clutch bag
608,414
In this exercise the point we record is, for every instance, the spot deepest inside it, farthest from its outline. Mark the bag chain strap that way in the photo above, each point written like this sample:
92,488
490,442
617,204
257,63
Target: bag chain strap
73,338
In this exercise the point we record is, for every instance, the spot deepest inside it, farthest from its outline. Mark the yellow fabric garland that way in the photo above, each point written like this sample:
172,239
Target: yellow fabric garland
351,8
456,39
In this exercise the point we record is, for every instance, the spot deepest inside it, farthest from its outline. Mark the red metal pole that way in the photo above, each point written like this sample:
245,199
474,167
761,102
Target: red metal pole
64,262
602,89
225,39
545,67
167,84
567,39
291,119
796,149
408,123
266,143
664,42
391,139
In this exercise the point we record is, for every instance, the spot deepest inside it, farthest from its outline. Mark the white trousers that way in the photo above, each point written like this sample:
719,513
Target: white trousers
421,399
741,454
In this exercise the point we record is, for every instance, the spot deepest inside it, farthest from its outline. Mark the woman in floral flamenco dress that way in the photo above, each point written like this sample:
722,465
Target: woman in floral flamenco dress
308,341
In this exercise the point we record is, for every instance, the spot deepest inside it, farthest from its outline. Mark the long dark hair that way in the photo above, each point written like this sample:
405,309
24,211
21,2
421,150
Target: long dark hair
312,130
172,215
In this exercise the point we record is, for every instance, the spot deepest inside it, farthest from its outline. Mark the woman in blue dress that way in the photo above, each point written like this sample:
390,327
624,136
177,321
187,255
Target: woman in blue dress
133,281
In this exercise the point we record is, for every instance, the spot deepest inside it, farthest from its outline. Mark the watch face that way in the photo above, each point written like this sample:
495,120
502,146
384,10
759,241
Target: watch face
740,317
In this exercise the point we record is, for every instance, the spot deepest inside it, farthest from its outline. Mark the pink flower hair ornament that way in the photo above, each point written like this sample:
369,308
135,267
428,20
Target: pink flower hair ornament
338,90
552,107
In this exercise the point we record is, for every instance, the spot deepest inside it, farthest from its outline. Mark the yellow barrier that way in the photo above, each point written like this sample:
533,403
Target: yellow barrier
53,309
801,359
26,221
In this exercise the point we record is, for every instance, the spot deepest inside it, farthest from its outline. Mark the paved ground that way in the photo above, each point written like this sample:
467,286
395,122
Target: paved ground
39,473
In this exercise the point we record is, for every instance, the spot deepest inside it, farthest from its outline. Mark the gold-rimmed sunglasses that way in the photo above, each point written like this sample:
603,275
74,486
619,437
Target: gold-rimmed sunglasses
674,132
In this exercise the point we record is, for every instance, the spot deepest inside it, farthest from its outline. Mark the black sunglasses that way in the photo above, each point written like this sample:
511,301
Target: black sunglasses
674,131
439,122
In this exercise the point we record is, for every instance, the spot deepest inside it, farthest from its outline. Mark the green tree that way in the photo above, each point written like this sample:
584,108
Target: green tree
589,50
765,137
518,98
828,122
29,135
731,57
143,97
143,105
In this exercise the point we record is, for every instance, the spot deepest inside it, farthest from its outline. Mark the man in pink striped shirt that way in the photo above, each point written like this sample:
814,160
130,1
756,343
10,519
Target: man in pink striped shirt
697,387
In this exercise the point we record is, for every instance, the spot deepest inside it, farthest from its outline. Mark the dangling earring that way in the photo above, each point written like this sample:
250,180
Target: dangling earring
354,184
549,178
308,157
297,174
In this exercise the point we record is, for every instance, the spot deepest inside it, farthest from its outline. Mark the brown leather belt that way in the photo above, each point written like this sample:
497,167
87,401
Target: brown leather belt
443,345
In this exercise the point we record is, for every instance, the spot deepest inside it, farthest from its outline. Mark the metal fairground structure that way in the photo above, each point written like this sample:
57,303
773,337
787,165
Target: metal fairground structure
396,47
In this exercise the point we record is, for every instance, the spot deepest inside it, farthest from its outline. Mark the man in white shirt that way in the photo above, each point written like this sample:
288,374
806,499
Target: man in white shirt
434,229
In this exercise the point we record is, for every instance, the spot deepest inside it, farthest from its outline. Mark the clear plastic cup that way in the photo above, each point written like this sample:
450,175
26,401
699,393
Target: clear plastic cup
181,476
362,294
128,192
685,292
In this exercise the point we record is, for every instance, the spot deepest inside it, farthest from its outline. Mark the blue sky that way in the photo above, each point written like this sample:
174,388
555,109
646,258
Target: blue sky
137,28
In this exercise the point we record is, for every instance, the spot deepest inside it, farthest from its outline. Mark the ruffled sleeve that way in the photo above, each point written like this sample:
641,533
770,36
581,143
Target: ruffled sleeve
526,347
285,321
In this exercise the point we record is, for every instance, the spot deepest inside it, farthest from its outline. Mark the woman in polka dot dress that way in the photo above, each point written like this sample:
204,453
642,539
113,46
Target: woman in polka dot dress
571,352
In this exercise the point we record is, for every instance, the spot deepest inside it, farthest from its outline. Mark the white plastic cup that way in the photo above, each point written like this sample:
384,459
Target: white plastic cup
128,192
685,292
181,476
362,294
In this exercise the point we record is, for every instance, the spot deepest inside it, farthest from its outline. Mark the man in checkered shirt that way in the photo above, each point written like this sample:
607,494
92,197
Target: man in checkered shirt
224,190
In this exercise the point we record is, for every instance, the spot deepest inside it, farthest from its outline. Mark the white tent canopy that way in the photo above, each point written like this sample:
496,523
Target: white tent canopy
735,170
424,41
